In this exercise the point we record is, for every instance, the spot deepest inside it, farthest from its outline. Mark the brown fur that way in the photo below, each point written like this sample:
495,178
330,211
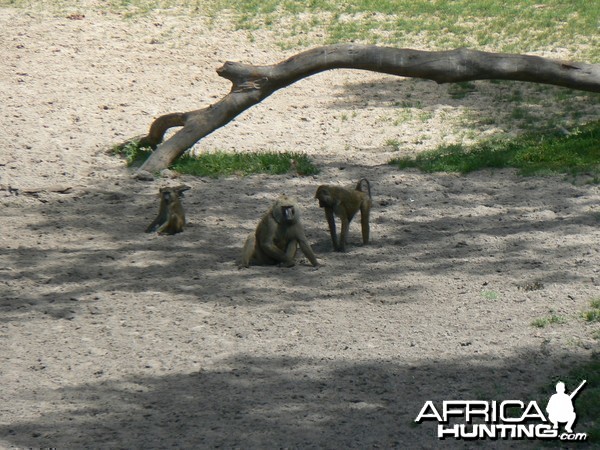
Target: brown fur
345,203
277,237
171,216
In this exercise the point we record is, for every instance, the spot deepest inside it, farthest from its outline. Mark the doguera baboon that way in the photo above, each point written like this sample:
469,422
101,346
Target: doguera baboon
345,203
171,216
277,237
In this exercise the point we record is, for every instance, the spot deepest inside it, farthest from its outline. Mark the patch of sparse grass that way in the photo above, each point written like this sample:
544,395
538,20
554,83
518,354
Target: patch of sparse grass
219,163
394,143
518,113
576,153
134,154
403,115
489,295
539,323
126,8
461,90
550,320
593,315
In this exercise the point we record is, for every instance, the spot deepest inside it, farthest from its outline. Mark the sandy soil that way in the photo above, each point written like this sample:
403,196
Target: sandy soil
113,338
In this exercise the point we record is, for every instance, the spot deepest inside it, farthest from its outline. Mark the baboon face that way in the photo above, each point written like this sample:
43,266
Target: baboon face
288,213
166,195
284,211
324,197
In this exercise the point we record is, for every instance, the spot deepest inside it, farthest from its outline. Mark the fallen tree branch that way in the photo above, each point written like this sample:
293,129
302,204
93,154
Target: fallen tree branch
252,84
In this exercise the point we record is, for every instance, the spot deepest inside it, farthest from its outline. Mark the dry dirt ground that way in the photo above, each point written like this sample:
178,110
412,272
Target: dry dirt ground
113,338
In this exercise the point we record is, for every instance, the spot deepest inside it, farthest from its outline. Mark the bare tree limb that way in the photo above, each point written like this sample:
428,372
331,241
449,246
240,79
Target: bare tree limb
252,84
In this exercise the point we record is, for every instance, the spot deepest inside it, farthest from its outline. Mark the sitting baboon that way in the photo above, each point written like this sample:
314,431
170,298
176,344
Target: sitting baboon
345,203
277,237
171,216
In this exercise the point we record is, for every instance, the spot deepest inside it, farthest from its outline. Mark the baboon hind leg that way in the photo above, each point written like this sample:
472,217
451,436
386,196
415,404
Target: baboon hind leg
156,223
344,234
292,248
248,250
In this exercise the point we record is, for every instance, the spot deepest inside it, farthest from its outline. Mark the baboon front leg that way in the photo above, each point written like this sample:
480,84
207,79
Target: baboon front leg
157,222
305,247
331,222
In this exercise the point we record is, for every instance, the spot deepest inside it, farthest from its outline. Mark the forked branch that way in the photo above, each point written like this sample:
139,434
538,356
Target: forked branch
252,84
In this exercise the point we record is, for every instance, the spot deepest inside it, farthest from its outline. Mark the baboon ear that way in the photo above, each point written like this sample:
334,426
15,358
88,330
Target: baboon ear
180,190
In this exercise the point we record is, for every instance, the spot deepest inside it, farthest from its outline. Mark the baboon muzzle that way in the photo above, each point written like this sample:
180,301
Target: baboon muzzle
288,213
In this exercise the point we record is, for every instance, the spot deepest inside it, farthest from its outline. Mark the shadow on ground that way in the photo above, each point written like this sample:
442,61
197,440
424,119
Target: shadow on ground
456,225
277,403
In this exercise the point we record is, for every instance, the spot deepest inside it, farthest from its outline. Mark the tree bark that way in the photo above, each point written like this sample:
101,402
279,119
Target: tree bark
252,84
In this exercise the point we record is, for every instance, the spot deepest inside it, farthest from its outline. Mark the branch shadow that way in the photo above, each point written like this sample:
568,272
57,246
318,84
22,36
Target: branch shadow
428,225
281,402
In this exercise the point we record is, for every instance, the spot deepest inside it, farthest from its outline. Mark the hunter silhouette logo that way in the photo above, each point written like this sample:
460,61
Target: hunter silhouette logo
560,407
508,419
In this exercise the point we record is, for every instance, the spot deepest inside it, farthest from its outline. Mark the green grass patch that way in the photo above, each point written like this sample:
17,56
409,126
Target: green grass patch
545,321
490,295
522,26
221,163
218,163
593,315
577,153
505,26
459,91
394,143
133,154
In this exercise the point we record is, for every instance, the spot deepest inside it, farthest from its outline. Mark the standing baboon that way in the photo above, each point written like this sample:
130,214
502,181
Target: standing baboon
171,216
345,203
277,237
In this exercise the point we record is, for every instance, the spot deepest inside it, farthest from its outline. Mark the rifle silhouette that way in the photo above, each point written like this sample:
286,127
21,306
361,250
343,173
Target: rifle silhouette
574,393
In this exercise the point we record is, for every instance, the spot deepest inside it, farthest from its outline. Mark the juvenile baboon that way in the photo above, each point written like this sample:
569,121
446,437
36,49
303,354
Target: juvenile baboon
345,203
277,237
171,216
